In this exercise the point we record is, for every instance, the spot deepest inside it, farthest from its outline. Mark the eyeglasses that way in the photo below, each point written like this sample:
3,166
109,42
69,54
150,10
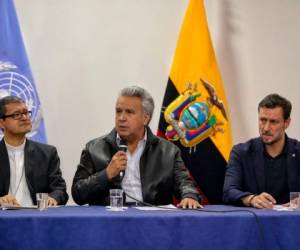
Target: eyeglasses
18,115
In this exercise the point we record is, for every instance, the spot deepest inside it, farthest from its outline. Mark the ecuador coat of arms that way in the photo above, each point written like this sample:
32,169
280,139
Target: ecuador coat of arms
193,116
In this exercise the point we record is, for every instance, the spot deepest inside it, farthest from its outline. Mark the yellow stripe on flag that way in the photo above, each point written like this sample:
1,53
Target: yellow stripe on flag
195,59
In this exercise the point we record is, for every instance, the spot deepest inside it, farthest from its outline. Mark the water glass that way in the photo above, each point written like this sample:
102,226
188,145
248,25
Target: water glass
116,199
295,200
42,201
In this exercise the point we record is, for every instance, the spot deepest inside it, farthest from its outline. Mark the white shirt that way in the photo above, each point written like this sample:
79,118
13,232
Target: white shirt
18,185
131,183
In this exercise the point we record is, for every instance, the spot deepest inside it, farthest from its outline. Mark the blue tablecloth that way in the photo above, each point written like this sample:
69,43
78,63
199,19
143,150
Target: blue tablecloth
85,228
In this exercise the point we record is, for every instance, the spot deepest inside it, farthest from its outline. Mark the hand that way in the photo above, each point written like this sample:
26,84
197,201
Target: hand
189,203
264,200
117,164
51,202
9,199
286,204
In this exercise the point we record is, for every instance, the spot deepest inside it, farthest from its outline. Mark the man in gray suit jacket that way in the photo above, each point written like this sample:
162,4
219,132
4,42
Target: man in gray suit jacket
26,167
263,171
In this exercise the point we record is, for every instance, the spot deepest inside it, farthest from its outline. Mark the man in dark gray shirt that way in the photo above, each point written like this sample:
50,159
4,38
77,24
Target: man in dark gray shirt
264,170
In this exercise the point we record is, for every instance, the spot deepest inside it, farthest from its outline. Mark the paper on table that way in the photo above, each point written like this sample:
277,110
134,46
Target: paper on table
14,207
282,208
108,208
163,207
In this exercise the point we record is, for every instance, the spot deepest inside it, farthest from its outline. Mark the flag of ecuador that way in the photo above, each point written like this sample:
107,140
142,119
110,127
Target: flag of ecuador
195,112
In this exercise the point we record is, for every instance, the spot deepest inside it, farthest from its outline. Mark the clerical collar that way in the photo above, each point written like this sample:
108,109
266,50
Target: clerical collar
15,148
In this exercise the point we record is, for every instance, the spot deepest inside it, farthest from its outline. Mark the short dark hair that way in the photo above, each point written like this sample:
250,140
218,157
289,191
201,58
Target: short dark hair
274,100
7,100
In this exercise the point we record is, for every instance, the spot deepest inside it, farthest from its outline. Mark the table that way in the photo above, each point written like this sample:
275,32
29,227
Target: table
93,227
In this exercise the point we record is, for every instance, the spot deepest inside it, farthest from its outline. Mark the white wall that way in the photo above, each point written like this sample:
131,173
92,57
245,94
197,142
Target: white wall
83,52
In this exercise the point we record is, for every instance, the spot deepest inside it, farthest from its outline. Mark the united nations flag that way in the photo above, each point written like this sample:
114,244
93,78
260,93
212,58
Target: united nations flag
15,73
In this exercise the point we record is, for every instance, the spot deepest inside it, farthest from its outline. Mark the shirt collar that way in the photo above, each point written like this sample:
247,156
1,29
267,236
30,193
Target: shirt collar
283,152
144,139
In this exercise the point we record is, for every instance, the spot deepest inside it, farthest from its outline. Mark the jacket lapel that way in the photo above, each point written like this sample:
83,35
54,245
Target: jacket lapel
111,140
4,169
258,163
29,165
292,167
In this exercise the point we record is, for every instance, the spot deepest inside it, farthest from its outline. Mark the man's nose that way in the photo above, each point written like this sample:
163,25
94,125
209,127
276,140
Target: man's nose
122,116
24,116
266,126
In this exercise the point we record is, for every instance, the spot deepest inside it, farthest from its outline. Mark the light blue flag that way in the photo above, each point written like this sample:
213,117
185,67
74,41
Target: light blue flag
15,73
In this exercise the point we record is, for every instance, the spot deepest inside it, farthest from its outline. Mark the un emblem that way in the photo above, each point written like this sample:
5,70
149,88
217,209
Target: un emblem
14,83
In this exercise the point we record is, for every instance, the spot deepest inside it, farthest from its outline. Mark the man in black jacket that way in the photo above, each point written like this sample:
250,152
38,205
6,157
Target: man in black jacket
263,171
151,170
26,167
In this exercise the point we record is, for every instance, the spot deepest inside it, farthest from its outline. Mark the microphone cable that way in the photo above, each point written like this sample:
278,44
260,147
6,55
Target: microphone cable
145,203
261,236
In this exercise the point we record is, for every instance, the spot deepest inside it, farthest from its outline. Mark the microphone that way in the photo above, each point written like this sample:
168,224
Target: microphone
123,147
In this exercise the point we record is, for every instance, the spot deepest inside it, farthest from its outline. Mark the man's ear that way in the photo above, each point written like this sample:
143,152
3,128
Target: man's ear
287,123
1,124
146,119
